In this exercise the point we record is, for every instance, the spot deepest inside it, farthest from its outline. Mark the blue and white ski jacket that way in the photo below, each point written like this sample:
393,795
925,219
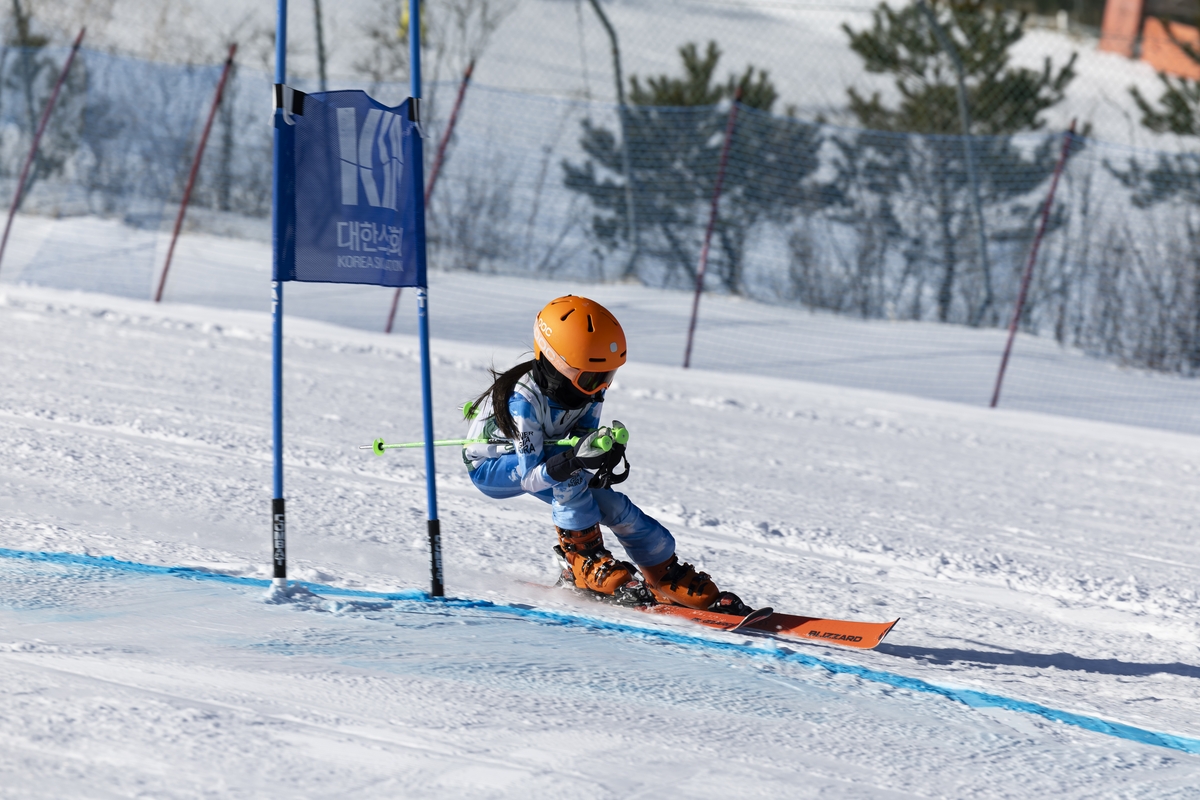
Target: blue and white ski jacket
539,420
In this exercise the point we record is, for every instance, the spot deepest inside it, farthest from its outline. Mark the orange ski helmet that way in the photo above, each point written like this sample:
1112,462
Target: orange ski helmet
580,339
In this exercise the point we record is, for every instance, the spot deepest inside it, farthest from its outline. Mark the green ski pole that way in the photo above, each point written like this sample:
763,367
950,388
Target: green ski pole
605,442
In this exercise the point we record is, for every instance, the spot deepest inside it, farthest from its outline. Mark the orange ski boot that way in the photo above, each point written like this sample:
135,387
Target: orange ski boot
592,566
678,583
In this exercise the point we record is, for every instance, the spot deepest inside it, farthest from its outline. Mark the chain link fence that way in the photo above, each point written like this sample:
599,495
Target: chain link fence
885,226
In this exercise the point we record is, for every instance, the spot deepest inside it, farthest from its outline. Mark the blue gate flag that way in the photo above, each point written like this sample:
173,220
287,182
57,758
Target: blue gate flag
354,197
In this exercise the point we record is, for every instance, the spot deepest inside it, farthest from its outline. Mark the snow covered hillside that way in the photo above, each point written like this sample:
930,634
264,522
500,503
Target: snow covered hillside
557,47
1045,571
926,359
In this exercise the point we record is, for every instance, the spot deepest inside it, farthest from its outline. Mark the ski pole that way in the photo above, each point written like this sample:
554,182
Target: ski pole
615,435
378,445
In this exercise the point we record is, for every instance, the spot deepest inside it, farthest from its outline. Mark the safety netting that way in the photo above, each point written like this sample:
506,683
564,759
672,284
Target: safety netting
875,260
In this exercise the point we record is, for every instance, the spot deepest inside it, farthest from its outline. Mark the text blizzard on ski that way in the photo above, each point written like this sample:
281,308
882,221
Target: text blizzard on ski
380,134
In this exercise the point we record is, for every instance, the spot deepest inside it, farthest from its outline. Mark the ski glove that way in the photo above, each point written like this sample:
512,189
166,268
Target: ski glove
600,450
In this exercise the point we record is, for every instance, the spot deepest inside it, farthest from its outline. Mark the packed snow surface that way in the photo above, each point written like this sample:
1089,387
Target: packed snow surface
1046,560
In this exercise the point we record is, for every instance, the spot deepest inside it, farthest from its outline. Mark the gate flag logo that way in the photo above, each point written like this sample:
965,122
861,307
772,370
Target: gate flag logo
354,208
380,134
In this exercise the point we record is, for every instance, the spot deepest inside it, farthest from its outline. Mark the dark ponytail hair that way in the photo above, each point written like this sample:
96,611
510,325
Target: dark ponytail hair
501,389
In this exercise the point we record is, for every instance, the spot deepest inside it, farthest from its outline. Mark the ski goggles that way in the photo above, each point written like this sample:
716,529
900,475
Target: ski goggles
592,382
585,381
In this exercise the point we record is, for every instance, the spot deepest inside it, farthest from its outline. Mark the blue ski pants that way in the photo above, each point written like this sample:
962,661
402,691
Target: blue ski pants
576,506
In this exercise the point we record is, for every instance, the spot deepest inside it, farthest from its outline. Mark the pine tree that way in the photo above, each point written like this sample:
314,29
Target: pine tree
1178,107
676,131
1177,111
32,72
1001,100
1174,177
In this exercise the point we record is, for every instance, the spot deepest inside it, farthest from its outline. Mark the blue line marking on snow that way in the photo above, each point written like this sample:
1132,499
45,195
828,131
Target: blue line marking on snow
968,697
196,574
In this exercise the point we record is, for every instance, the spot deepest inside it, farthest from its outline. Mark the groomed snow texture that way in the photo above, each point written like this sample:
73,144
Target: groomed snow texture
1048,565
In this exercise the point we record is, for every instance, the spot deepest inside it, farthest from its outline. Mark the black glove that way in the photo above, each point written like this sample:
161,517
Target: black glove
587,454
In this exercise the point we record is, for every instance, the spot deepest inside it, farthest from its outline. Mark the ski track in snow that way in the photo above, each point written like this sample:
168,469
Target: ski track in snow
310,595
363,678
1048,560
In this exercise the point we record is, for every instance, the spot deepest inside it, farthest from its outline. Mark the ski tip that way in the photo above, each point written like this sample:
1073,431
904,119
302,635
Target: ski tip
883,634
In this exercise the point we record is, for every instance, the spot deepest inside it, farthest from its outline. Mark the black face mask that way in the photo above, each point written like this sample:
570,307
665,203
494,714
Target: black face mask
556,386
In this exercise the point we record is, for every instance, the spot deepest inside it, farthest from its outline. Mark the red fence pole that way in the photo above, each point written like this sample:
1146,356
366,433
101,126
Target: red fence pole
191,181
712,221
1033,251
37,139
437,168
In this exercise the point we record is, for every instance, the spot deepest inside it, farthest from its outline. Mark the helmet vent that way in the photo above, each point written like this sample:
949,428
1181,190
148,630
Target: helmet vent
563,318
591,329
623,352
597,359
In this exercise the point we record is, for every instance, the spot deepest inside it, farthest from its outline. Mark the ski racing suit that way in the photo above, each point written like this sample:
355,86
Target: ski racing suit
540,422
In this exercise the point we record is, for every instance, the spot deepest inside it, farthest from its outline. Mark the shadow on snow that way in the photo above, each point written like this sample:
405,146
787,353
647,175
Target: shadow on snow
1014,658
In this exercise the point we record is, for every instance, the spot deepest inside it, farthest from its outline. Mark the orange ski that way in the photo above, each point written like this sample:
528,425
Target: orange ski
847,633
863,635
711,619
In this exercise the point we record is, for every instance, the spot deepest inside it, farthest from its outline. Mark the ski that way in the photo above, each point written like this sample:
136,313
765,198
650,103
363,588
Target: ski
710,619
841,632
847,633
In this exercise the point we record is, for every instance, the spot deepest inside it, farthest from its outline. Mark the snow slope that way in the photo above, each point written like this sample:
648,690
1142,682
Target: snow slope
1048,561
940,362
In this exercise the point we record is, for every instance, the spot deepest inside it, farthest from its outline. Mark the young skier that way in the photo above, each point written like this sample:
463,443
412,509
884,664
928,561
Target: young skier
578,346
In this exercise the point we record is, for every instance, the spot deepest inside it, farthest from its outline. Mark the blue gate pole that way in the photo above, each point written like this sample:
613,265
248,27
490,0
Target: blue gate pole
435,535
278,220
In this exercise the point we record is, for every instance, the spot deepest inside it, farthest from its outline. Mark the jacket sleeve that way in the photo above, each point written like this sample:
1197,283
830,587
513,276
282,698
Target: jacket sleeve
530,445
